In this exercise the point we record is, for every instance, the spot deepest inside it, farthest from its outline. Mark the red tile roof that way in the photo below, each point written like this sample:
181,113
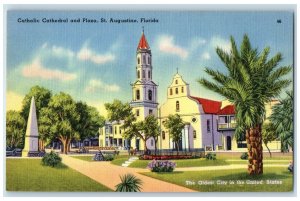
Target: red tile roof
209,106
229,109
143,44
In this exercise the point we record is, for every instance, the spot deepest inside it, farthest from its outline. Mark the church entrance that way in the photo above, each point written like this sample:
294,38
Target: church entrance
228,143
137,144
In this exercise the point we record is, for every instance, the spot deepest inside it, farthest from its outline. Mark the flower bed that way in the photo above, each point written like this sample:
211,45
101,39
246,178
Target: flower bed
161,166
166,157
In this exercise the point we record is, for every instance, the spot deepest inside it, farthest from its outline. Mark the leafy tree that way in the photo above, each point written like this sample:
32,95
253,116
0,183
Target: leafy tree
150,128
89,122
42,97
268,134
175,124
282,119
61,119
129,183
118,111
251,81
15,129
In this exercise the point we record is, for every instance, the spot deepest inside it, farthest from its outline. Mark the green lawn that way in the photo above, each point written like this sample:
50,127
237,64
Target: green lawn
267,161
181,178
30,175
120,159
266,156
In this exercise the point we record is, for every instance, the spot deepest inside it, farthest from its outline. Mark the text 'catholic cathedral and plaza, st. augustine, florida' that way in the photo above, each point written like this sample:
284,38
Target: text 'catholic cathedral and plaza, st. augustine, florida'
209,124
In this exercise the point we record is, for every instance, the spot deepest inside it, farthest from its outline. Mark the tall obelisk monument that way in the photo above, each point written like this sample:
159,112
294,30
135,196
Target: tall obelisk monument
31,136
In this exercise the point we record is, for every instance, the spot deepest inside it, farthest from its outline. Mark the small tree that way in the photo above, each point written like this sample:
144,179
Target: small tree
268,134
118,111
15,129
129,183
150,129
175,125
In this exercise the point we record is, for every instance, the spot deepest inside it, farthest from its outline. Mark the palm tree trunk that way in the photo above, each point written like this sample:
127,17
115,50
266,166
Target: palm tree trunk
255,150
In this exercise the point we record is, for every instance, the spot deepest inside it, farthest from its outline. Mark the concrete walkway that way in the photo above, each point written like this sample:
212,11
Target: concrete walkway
109,175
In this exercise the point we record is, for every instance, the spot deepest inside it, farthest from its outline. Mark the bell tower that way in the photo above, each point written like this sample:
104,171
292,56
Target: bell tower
144,90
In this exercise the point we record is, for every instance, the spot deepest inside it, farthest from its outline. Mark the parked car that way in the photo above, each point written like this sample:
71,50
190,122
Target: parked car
13,151
10,151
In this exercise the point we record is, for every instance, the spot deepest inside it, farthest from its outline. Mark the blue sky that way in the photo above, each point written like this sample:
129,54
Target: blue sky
95,62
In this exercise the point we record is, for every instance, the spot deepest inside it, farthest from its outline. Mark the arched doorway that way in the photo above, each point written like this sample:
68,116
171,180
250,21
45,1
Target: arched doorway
228,143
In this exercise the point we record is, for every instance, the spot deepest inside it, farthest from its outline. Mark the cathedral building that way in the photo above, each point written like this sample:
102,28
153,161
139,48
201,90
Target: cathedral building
209,124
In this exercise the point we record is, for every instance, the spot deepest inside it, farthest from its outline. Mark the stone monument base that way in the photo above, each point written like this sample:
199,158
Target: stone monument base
30,153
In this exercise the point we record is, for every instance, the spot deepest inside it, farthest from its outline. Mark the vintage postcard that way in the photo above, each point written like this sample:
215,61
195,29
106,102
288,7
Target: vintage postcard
149,101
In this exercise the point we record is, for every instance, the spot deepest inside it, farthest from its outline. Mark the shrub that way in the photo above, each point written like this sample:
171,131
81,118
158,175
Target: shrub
244,156
129,183
161,166
108,157
51,159
210,156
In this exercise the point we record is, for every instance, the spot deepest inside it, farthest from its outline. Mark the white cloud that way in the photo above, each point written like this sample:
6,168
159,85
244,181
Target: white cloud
62,52
97,85
166,44
36,69
13,101
87,54
205,56
224,44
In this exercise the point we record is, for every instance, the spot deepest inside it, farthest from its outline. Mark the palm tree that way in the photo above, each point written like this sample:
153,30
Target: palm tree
251,81
129,183
282,119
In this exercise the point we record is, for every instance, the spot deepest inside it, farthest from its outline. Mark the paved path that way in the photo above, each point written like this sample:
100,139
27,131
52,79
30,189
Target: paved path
108,175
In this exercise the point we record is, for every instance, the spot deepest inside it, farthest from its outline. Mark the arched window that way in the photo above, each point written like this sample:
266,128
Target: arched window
171,92
182,89
139,60
176,81
163,135
144,59
149,94
138,74
137,94
144,74
149,74
194,134
177,106
148,60
176,91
